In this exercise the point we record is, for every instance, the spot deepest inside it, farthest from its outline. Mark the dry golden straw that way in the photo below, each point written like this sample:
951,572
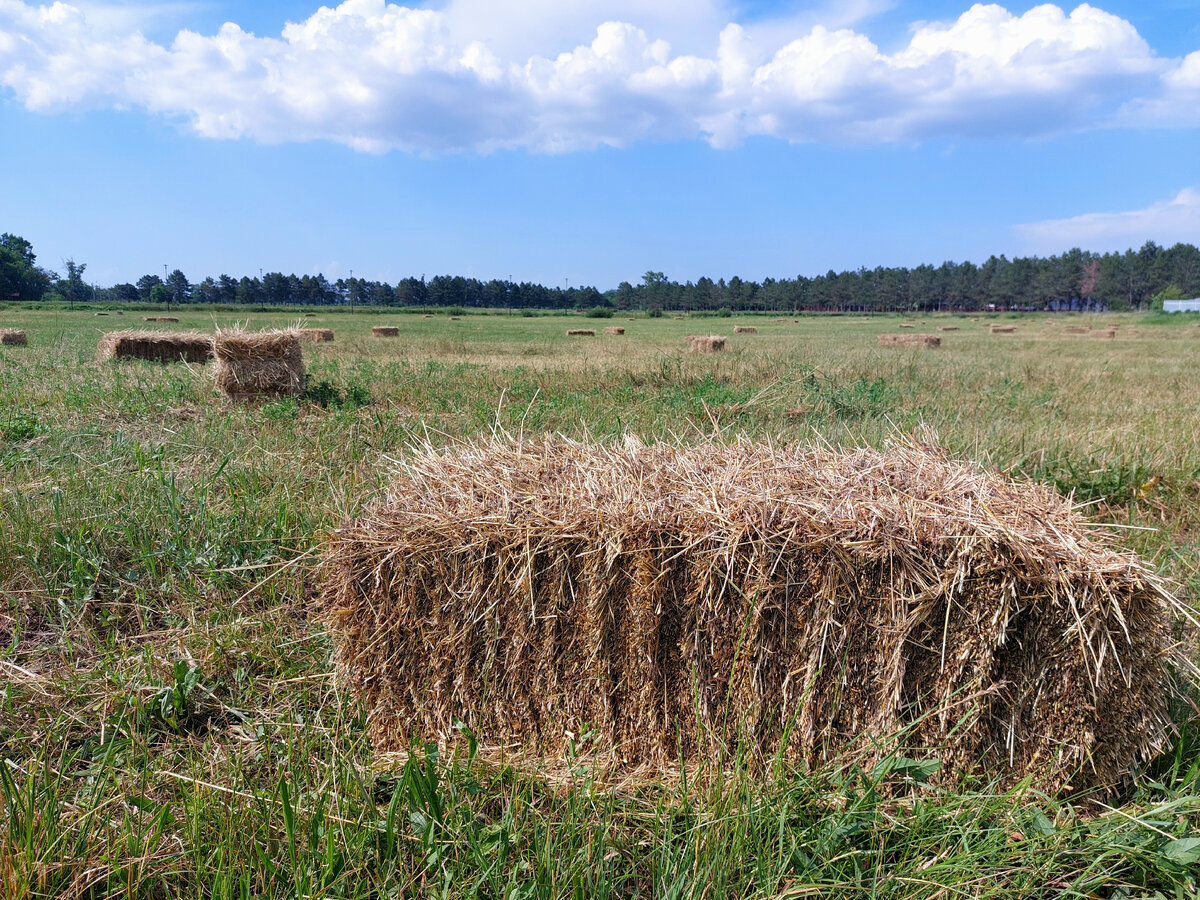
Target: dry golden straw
614,329
1003,329
580,332
156,346
1103,333
259,364
385,331
317,335
906,325
13,338
696,604
712,343
909,340
745,329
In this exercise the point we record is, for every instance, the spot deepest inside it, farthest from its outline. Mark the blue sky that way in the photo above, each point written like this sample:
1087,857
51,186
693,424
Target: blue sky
588,142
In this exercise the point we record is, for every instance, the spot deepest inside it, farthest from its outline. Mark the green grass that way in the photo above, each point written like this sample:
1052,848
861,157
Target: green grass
169,726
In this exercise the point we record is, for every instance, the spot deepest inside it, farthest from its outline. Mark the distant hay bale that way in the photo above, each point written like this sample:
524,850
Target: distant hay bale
455,318
259,364
614,329
1002,329
906,325
1103,333
385,331
156,346
12,337
1076,329
580,332
909,340
738,601
745,329
310,315
102,314
317,335
947,328
712,343
427,316
160,319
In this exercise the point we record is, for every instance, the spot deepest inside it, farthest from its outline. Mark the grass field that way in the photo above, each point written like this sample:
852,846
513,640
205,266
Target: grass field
168,722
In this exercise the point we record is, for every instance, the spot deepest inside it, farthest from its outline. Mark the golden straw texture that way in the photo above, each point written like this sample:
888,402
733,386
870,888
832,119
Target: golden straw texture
156,346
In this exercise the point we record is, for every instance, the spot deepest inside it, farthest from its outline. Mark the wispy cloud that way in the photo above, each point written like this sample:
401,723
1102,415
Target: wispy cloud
1168,222
378,76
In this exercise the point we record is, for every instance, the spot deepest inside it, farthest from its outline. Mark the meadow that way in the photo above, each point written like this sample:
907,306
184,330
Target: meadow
169,724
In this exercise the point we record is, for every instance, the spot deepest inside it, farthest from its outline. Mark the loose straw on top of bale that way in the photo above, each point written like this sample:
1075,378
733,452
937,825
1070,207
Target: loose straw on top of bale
13,337
909,340
745,329
254,364
614,329
385,331
317,335
580,332
155,346
747,599
712,343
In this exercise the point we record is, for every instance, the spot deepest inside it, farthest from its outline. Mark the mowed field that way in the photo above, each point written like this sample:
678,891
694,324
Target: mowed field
169,725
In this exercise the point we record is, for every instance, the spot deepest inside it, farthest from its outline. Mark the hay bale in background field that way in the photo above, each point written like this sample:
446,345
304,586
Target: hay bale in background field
712,343
906,325
1103,333
1076,329
947,328
1002,329
385,331
702,603
259,364
156,346
580,332
160,319
317,335
614,329
745,329
909,340
12,337
310,315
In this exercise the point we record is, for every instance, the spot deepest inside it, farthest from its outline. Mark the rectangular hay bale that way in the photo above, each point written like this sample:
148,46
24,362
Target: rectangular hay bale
909,340
697,604
580,332
745,329
260,364
712,343
385,331
156,346
317,335
614,329
13,337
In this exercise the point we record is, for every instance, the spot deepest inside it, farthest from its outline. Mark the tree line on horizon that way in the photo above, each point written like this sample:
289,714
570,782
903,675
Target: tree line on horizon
1077,279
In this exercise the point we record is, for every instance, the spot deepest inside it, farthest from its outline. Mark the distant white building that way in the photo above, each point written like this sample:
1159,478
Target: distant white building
1181,305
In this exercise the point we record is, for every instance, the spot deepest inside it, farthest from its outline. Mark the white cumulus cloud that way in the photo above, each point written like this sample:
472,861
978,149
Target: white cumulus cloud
378,76
1167,223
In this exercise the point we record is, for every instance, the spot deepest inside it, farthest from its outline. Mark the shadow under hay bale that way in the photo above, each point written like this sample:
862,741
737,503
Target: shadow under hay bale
580,332
712,343
909,340
745,329
317,335
12,337
259,364
697,604
385,331
614,329
156,346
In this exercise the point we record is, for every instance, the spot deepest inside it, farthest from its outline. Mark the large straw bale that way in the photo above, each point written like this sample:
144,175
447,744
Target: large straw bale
711,343
614,329
909,340
12,337
317,335
745,329
385,331
697,604
156,346
580,332
259,364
